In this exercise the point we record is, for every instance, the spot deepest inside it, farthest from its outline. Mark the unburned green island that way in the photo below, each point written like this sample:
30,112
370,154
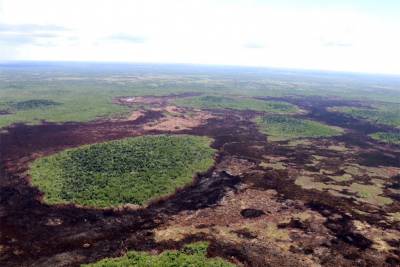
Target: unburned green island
386,114
239,103
279,127
390,137
190,255
133,170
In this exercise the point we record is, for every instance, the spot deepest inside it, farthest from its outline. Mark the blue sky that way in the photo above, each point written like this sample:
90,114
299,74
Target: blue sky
352,35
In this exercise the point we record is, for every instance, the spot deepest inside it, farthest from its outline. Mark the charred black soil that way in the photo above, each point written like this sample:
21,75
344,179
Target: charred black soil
36,234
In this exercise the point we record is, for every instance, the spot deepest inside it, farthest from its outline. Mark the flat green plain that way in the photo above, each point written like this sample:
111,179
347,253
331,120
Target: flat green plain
82,92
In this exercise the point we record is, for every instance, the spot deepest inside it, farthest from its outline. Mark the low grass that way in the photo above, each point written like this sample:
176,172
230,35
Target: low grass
371,194
222,102
377,172
279,127
390,138
341,178
275,233
132,170
395,216
194,254
274,165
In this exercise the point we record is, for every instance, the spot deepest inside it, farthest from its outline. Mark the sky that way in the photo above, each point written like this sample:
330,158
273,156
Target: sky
340,35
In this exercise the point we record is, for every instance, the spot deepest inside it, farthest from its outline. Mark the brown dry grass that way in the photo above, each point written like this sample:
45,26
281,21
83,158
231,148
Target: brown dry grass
135,115
225,223
177,119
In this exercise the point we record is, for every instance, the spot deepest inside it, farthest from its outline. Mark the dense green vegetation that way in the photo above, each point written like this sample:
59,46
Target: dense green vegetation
221,102
390,138
32,104
192,255
72,105
279,127
132,170
388,114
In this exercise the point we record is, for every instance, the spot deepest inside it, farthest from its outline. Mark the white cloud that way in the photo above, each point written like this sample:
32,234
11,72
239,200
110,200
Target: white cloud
22,34
209,32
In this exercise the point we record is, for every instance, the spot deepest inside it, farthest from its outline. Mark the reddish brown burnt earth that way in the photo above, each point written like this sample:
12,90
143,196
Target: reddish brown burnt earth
294,226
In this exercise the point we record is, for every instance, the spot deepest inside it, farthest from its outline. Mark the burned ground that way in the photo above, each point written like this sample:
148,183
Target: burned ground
250,205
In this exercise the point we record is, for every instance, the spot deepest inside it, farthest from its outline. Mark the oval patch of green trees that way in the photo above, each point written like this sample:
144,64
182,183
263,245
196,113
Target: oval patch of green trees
132,170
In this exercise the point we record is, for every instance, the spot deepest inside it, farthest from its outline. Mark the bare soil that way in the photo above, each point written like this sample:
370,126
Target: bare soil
177,119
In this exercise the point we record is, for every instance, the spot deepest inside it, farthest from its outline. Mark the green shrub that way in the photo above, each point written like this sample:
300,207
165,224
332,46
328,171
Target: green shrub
32,104
132,170
221,102
279,127
390,138
193,255
388,114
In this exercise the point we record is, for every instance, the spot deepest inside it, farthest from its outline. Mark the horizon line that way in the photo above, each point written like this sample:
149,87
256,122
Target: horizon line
217,65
